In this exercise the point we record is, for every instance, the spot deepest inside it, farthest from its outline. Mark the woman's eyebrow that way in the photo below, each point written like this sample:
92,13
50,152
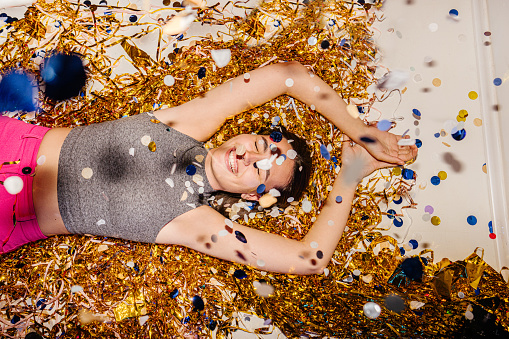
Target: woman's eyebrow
265,144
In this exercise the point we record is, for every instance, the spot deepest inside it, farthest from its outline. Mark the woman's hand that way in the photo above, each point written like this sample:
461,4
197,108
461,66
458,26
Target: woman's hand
384,147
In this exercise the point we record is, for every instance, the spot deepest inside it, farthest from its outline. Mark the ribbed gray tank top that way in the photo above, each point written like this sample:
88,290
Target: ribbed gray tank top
113,182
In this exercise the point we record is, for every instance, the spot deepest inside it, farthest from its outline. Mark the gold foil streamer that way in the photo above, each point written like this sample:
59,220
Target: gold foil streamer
123,280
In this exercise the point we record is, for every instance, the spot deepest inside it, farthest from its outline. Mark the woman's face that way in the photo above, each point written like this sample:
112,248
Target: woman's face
229,171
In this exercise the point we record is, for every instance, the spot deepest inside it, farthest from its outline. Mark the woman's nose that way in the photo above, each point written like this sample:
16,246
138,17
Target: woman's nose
251,157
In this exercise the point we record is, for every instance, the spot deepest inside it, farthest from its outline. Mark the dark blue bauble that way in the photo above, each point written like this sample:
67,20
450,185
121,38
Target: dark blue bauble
198,303
17,92
64,76
412,268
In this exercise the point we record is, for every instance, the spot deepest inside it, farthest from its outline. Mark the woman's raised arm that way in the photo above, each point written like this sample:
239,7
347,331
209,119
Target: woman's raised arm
201,117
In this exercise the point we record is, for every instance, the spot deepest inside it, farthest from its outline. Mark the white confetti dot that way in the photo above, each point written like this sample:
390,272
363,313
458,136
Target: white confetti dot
274,213
291,154
314,244
326,271
87,173
41,160
130,264
372,310
290,199
331,222
170,182
13,185
169,80
469,315
222,233
317,89
145,140
312,40
406,142
260,262
274,192
461,295
289,82
228,222
356,273
187,183
312,107
143,319
426,217
173,168
184,196
279,160
306,205
221,57
433,27
191,190
247,76
101,222
131,151
76,288
201,190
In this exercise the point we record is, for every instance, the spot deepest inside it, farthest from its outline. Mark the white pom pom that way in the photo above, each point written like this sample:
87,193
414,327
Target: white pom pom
13,185
221,57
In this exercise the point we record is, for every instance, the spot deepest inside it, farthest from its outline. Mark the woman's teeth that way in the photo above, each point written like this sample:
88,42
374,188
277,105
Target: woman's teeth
232,161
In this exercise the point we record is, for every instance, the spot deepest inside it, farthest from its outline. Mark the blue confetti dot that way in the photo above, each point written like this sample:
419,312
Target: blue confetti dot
398,201
477,291
133,18
437,135
240,237
472,220
324,152
418,143
17,92
186,320
407,174
260,189
384,125
416,112
41,304
174,293
202,72
402,250
497,81
398,222
414,243
490,226
15,319
435,180
367,140
391,213
276,136
453,12
198,303
240,274
459,135
339,199
191,170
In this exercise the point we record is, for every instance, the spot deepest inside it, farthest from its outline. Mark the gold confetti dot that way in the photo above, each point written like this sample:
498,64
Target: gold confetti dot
155,121
184,196
473,95
463,113
396,171
435,220
87,173
199,158
477,122
442,175
404,90
152,146
436,82
484,168
458,118
446,144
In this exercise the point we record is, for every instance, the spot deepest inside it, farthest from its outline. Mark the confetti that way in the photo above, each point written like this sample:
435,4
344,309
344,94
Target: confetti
289,82
13,185
371,310
472,95
221,57
169,80
87,173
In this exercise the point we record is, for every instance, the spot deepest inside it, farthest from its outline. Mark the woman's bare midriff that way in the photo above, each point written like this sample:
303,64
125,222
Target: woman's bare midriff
45,183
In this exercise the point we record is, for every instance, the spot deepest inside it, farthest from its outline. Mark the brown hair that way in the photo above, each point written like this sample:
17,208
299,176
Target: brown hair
296,185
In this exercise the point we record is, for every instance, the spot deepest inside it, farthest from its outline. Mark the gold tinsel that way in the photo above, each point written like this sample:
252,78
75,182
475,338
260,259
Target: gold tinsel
135,290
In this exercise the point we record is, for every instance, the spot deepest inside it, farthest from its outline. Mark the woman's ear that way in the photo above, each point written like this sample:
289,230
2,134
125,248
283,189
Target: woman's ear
250,196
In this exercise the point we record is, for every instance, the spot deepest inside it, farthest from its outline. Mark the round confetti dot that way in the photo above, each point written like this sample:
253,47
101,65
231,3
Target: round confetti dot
436,82
145,140
276,136
442,175
391,213
260,262
408,174
324,152
497,82
413,243
484,169
426,217
384,125
291,153
472,220
395,303
429,209
133,18
418,143
312,107
462,38
169,80
191,170
417,78
453,12
330,223
402,251
469,315
371,310
339,199
437,135
459,135
312,40
463,113
428,59
435,220
433,27
472,95
314,244
14,184
325,44
289,82
41,160
87,173
487,33
416,112
260,189
493,236
316,88
435,180
461,295
398,222
398,200
202,72
240,237
396,171
247,76
477,122
223,233
152,146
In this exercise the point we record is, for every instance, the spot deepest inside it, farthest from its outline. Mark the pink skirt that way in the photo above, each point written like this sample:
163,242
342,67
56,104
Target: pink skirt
19,144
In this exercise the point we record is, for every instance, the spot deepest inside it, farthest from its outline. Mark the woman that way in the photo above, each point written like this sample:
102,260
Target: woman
97,179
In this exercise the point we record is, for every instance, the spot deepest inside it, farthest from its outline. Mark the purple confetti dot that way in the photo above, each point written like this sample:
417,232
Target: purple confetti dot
429,209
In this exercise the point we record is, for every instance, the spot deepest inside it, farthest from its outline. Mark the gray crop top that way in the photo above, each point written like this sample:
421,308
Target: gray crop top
129,177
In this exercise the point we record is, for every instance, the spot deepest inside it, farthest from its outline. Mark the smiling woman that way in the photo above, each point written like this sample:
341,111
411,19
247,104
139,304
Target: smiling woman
148,178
